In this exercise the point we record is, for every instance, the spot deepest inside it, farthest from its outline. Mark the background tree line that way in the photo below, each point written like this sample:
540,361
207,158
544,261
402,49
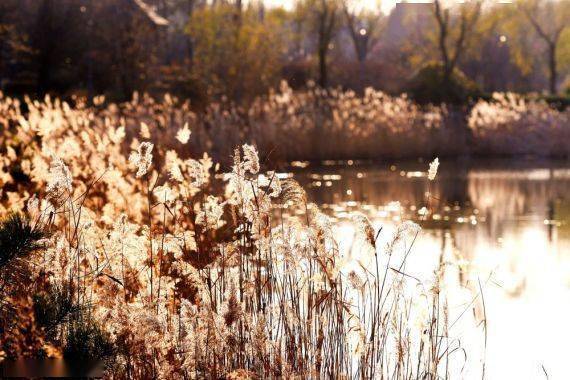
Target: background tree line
219,48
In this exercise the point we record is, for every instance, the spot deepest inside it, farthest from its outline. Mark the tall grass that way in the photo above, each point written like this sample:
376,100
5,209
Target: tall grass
511,124
172,267
315,124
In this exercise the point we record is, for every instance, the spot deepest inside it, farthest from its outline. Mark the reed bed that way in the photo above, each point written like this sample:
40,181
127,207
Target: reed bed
511,124
116,245
317,124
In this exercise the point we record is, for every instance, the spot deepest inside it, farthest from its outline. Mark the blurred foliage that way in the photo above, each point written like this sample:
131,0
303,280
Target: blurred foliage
514,27
237,53
207,50
429,85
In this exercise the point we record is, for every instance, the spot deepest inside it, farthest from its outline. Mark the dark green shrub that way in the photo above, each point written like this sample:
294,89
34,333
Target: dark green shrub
19,334
18,238
53,308
555,101
429,85
86,340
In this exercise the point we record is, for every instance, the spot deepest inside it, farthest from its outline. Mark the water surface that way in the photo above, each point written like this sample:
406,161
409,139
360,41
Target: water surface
509,221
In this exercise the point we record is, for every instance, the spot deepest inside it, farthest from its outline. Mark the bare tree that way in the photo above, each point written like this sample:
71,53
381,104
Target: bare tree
362,28
325,21
549,25
454,31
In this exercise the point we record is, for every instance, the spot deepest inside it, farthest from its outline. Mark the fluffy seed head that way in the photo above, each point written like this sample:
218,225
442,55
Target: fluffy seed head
432,172
142,158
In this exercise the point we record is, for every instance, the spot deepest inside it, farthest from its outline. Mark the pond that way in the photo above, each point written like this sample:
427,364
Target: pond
509,220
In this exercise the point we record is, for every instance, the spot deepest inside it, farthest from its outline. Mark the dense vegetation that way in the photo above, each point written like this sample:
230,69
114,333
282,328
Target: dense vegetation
313,124
114,246
152,232
209,50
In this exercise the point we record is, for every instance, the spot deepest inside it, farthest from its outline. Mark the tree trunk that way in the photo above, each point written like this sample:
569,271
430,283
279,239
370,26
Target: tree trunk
447,72
238,15
552,67
361,48
447,69
323,74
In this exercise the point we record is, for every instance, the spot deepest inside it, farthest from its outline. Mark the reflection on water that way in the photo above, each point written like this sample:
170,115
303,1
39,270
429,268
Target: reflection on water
506,220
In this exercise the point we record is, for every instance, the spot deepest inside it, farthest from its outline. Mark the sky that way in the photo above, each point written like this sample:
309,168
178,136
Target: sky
385,5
